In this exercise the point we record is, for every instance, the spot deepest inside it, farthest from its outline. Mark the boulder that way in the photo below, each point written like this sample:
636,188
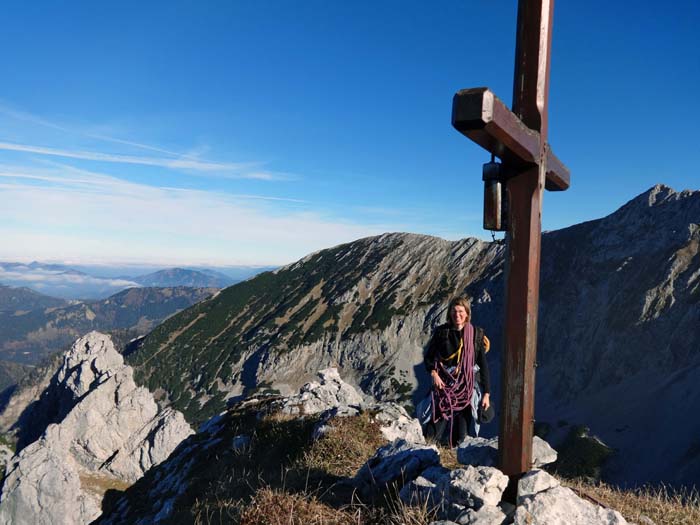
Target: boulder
560,506
314,398
534,482
474,487
480,451
420,491
542,453
486,515
398,461
395,423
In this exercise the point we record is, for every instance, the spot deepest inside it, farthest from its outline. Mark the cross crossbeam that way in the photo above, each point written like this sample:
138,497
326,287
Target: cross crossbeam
482,117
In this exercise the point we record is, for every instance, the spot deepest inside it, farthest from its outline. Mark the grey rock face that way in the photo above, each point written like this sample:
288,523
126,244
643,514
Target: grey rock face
114,430
474,487
336,398
560,506
43,487
420,491
534,482
332,392
484,516
480,451
5,455
397,461
395,423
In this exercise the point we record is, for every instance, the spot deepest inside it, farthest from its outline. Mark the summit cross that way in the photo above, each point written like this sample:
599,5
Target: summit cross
519,139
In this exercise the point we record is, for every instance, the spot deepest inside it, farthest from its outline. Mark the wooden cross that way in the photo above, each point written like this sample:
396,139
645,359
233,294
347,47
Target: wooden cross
519,139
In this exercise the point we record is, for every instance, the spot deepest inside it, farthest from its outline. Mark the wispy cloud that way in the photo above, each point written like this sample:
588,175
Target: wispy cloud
90,181
189,161
179,163
77,216
73,130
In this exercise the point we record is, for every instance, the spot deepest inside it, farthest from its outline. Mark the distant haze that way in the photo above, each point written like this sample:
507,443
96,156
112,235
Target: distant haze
101,281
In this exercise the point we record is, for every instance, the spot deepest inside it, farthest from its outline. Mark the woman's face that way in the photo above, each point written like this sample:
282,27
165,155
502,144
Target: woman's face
458,314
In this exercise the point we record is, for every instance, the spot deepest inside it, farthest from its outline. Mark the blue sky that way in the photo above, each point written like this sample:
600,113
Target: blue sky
256,132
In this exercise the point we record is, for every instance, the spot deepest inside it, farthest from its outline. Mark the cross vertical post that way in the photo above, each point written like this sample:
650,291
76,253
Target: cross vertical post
519,139
525,192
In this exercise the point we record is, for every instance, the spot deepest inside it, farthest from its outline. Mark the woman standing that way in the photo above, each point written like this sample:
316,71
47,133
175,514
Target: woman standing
456,362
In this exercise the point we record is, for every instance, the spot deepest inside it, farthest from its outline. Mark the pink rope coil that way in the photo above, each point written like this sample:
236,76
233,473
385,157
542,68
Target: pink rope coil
457,393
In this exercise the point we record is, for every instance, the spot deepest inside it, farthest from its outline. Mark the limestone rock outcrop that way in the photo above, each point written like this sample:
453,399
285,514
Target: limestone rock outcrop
112,431
473,496
331,393
395,461
482,451
333,397
541,499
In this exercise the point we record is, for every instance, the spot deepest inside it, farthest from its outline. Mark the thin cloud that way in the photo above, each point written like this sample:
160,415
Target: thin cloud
100,183
35,119
74,218
181,163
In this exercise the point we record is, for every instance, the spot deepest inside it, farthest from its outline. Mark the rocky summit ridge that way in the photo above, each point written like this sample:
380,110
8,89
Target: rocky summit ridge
106,431
618,329
471,493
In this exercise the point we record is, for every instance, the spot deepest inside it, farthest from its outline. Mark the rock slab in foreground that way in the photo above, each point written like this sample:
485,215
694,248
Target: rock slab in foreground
561,506
474,487
399,461
484,452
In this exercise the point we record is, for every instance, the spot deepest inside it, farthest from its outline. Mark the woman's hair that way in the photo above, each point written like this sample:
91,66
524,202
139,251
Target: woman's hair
464,301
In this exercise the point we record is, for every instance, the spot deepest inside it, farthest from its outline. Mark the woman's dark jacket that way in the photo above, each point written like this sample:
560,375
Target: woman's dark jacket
445,342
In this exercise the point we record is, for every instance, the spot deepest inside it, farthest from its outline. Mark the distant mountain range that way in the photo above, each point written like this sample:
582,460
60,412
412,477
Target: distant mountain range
28,334
182,277
99,282
24,299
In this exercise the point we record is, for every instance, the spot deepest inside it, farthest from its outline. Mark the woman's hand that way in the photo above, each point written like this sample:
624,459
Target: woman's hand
486,401
437,382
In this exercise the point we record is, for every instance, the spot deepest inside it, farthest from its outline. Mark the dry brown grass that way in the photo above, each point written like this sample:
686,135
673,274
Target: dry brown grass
662,504
98,484
277,507
285,477
349,443
448,457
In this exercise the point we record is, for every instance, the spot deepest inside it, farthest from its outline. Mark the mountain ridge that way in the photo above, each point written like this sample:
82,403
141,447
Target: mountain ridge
609,287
